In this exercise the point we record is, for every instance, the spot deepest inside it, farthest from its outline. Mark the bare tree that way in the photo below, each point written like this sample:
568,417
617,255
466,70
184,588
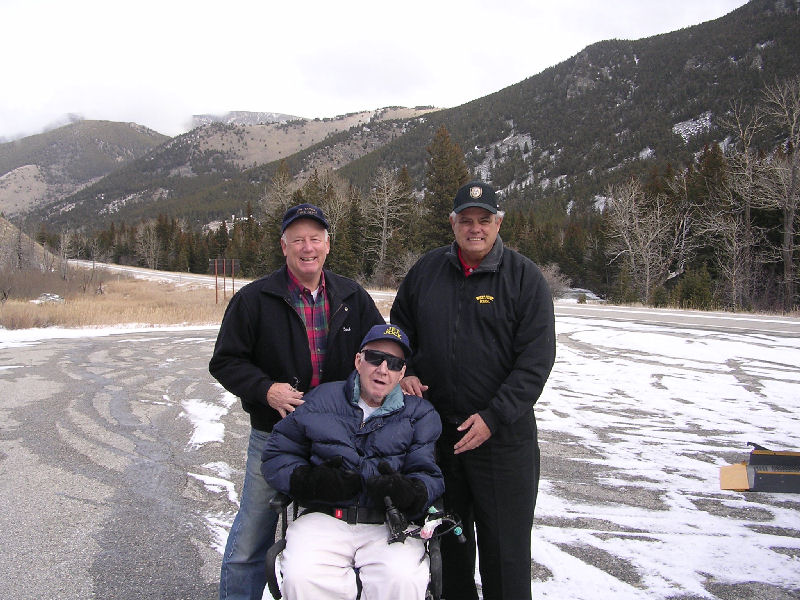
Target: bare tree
277,196
385,212
336,200
148,244
779,187
558,283
738,245
95,251
48,261
643,233
682,211
17,250
65,246
739,197
402,264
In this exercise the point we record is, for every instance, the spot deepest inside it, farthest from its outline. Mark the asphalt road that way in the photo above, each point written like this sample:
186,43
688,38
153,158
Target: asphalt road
723,321
720,321
102,495
96,500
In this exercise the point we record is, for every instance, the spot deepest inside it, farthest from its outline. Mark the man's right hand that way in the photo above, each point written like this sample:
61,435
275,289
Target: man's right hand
412,385
328,482
284,398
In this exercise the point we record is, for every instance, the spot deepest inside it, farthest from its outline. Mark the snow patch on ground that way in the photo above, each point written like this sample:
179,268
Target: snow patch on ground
693,127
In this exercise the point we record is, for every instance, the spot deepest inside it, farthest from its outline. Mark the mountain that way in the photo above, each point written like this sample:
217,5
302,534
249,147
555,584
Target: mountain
44,168
196,174
617,108
241,117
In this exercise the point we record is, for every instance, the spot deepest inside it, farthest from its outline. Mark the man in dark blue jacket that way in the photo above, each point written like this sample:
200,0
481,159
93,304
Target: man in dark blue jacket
480,320
281,336
351,444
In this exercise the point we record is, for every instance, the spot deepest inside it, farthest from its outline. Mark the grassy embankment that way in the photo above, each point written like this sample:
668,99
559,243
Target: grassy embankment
95,299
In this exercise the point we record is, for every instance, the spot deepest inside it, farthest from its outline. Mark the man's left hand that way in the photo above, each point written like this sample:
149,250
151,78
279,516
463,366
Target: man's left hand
477,433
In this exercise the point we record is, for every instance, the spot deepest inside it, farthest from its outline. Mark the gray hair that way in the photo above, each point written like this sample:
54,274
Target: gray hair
499,213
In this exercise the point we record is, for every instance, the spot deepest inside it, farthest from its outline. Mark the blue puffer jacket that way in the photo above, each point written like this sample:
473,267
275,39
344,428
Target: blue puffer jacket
403,432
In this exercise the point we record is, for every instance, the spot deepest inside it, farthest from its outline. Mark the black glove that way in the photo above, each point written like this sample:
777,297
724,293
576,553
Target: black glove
407,493
327,482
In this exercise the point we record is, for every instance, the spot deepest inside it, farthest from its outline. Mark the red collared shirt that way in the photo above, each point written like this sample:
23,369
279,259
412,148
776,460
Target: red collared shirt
467,269
315,315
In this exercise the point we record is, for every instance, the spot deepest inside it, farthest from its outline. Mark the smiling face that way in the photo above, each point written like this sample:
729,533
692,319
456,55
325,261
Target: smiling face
377,382
475,230
305,245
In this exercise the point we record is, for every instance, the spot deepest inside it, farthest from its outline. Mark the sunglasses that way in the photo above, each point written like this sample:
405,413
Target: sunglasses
376,357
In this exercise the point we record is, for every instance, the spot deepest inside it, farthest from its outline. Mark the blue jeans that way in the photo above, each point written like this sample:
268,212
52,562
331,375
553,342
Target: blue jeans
252,533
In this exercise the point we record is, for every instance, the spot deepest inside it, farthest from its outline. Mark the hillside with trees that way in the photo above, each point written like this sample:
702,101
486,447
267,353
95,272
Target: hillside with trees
43,168
658,171
213,171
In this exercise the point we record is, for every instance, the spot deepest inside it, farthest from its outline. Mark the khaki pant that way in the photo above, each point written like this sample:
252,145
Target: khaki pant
322,552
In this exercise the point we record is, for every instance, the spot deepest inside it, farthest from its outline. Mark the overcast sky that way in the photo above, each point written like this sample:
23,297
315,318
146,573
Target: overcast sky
159,62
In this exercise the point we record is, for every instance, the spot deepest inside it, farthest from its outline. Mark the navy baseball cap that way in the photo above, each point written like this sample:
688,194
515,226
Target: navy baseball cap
304,211
475,193
388,332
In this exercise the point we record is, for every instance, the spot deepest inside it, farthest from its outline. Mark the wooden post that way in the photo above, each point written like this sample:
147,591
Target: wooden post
224,276
225,263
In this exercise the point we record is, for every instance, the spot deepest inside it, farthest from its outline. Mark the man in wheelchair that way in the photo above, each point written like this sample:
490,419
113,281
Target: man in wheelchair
351,445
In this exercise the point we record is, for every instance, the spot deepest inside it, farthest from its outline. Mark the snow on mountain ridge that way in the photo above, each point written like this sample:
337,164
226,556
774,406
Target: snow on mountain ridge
242,117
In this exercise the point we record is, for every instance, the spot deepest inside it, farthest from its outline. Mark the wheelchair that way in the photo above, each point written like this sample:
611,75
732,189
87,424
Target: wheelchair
437,523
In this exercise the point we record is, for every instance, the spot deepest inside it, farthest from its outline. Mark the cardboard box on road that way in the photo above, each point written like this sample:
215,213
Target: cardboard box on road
766,471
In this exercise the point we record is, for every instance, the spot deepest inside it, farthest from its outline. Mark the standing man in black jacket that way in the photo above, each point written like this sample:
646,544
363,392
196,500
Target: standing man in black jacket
480,318
281,336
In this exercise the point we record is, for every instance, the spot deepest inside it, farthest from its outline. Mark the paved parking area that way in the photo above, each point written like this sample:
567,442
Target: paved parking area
121,459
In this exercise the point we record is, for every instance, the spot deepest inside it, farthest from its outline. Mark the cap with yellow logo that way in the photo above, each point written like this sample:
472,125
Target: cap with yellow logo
387,332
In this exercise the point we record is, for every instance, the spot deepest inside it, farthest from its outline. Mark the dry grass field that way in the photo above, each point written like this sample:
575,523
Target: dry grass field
113,300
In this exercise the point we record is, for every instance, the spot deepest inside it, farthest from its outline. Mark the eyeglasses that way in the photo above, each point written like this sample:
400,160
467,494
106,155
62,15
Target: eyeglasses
376,357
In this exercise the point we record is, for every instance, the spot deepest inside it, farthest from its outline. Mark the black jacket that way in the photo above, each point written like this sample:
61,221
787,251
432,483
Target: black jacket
262,340
483,343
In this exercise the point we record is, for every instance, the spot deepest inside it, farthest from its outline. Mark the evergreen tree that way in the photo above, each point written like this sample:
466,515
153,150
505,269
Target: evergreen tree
221,239
313,189
573,251
445,172
198,253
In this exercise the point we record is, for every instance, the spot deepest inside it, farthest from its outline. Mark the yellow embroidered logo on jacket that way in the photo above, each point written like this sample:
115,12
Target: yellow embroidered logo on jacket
393,331
485,299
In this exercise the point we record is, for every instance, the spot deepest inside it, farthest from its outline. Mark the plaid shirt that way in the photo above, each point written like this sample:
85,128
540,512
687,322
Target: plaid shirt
315,315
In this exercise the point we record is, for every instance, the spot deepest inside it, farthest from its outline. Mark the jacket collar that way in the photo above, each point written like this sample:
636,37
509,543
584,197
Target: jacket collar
490,263
277,283
393,402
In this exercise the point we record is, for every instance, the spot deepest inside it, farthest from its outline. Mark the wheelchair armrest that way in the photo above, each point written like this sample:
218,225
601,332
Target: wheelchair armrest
435,558
279,501
272,576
